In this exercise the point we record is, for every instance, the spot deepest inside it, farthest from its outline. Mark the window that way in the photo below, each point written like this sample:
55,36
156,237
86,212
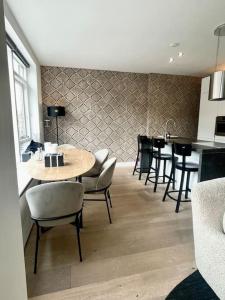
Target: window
24,77
20,102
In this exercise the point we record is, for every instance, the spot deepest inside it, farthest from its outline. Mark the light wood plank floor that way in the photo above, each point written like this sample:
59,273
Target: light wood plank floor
145,252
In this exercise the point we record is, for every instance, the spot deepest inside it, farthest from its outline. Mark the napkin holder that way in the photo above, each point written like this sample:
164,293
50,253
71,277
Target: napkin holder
54,160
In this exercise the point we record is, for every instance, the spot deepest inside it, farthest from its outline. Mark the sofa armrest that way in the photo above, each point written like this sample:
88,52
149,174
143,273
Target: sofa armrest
208,207
208,204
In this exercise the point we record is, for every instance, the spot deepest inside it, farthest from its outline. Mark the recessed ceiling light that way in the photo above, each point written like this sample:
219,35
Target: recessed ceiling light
174,44
171,60
180,54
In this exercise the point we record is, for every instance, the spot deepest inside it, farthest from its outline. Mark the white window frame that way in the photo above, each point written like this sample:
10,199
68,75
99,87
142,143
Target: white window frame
20,144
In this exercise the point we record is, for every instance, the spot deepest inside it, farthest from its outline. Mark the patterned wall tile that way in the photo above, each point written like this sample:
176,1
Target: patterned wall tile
109,109
173,97
103,108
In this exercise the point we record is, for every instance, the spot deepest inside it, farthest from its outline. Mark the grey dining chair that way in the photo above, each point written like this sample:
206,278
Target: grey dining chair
100,157
53,204
101,184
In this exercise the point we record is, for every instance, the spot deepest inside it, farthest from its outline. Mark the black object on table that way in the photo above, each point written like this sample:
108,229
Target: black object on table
31,148
54,160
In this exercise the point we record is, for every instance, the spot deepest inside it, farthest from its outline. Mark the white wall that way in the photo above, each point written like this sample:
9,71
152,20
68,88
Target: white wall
208,112
12,269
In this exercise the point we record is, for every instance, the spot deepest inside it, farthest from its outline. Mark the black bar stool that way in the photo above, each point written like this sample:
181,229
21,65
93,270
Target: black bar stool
144,159
183,150
159,143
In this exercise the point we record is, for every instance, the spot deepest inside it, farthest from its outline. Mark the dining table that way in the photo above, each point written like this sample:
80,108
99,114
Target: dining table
76,163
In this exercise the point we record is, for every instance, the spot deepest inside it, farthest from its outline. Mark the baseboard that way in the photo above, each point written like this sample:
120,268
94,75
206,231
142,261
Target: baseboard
125,164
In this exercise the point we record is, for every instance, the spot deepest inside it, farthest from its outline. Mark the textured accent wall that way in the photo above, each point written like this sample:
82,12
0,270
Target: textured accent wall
109,109
173,97
104,109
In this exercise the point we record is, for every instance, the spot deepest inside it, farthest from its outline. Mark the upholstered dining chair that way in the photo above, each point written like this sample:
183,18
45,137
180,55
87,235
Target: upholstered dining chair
53,204
101,184
66,146
100,157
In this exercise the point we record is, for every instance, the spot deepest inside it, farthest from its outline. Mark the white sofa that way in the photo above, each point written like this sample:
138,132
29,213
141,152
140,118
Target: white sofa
208,206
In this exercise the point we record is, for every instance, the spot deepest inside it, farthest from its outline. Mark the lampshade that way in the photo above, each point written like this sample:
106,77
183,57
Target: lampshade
56,111
217,79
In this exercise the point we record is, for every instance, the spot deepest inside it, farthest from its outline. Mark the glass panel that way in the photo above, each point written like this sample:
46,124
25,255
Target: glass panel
19,67
20,108
15,65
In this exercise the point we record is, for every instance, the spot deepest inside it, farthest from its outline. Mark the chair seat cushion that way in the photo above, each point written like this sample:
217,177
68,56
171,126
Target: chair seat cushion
189,166
164,156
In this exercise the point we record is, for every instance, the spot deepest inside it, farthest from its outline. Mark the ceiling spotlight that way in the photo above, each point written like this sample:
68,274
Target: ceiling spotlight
180,54
171,60
174,44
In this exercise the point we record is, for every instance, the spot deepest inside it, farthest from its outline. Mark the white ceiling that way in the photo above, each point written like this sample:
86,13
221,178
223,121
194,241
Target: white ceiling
123,35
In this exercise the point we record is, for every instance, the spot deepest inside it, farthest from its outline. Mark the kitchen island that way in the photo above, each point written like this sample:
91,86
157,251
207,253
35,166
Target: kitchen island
209,155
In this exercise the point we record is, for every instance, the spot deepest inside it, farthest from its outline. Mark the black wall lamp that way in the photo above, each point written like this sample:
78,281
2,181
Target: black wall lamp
56,111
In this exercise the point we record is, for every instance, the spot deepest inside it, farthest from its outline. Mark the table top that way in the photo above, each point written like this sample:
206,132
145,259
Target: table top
76,163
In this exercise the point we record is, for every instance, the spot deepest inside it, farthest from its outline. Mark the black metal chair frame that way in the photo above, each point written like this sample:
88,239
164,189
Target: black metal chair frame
141,151
155,179
107,198
181,190
77,223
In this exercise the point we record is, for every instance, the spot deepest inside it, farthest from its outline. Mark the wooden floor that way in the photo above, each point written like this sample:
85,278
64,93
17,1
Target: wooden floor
145,252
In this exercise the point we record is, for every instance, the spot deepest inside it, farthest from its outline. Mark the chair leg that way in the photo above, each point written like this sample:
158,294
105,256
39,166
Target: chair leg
147,177
168,184
107,205
36,248
174,176
157,174
149,171
140,173
78,237
164,171
81,219
180,192
110,201
135,166
187,185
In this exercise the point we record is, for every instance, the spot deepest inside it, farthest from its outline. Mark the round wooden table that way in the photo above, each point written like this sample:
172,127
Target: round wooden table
76,163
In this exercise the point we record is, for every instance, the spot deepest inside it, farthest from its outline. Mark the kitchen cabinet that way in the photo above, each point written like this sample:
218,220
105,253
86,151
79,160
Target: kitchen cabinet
208,112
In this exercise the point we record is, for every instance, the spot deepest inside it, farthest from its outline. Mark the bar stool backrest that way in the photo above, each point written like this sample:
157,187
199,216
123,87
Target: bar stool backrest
144,142
183,150
159,143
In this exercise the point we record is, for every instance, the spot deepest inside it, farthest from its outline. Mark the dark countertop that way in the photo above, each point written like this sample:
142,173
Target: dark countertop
199,145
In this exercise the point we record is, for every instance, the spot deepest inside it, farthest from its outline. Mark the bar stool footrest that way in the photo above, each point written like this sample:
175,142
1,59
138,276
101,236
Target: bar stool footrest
161,176
176,191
